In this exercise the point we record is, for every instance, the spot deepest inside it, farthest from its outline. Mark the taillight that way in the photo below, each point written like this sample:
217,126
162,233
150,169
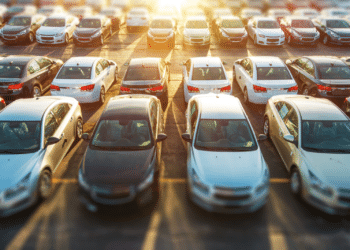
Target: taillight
226,89
192,89
54,88
156,89
3,101
124,89
323,88
259,89
17,86
88,87
293,89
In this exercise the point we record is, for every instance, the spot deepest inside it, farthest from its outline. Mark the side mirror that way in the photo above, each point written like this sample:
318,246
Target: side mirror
186,137
224,63
288,61
289,138
110,63
161,137
86,137
54,62
126,64
262,137
51,141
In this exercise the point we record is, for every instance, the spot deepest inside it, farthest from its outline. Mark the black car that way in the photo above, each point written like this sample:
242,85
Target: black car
26,76
18,9
333,30
321,76
147,76
21,28
299,30
122,161
230,31
93,30
115,14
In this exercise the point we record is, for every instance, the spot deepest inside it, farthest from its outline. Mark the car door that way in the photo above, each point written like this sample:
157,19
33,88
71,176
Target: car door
191,127
247,75
100,75
45,69
107,69
65,119
239,70
163,73
35,74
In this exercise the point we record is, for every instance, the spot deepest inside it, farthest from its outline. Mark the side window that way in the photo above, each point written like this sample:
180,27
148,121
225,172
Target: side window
301,62
33,67
98,69
282,109
193,117
154,114
249,68
60,111
43,62
51,126
291,122
188,66
104,63
309,68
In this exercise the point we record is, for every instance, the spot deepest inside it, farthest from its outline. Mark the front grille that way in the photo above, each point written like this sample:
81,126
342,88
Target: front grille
116,193
47,38
84,39
233,189
308,39
344,191
197,40
236,35
340,92
345,39
113,196
272,39
233,197
10,32
84,35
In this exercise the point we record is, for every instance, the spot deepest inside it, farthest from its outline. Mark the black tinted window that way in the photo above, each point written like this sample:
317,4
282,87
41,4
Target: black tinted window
75,73
142,73
11,71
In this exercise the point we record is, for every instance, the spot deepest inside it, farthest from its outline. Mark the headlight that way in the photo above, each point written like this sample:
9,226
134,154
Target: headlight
23,32
82,181
224,34
18,189
319,186
317,34
60,34
75,34
335,35
150,34
262,36
147,182
245,34
96,34
265,183
198,184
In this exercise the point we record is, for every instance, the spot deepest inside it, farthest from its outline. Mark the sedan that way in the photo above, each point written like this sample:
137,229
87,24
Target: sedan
26,76
321,76
85,78
333,30
230,31
18,9
196,32
35,136
202,75
122,161
21,28
137,18
261,77
226,170
162,32
312,136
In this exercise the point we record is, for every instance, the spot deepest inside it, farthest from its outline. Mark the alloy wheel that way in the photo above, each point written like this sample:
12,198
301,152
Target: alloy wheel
79,129
45,184
295,184
266,127
36,91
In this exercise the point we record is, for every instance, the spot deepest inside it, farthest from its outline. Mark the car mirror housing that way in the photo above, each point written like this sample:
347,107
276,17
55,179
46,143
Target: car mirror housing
262,137
161,137
186,137
86,136
289,138
52,140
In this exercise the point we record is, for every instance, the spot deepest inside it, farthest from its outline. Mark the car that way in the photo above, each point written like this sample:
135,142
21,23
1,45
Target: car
300,30
17,9
36,134
87,79
196,32
261,77
161,32
49,10
278,13
321,76
81,11
115,14
333,30
312,137
57,29
93,30
147,76
265,31
21,28
247,13
26,76
306,12
322,5
334,12
202,75
230,31
226,171
275,4
137,18
169,11
122,161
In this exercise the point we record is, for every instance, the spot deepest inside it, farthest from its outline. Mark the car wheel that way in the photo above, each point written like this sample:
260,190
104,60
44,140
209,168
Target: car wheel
30,37
102,96
36,91
79,129
267,127
44,185
295,182
325,40
66,39
246,96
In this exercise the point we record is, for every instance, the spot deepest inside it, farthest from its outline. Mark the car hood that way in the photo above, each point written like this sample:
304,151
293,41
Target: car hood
50,30
231,169
15,166
270,32
306,31
86,31
341,32
196,32
116,167
160,32
71,82
9,29
234,31
276,83
345,82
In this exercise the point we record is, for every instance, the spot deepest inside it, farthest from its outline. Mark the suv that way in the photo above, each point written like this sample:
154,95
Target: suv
161,32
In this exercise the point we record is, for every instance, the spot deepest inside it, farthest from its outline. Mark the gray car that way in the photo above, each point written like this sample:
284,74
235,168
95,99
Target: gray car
312,136
35,135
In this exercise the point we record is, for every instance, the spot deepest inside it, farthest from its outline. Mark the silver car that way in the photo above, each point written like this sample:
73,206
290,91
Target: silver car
35,135
312,136
225,167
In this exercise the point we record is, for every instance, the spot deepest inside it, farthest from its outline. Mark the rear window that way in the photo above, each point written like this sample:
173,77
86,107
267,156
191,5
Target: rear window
15,9
208,73
11,71
334,72
273,73
74,73
142,73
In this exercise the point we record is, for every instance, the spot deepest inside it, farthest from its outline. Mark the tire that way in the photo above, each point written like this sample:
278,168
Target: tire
295,182
325,40
31,37
66,39
102,96
246,96
44,188
36,92
267,127
79,129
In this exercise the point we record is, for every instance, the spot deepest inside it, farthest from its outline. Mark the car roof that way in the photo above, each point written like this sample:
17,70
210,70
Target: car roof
149,61
17,60
266,61
206,62
326,60
28,109
128,105
82,61
220,106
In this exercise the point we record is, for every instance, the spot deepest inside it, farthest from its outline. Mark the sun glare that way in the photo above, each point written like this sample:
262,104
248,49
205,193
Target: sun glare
171,4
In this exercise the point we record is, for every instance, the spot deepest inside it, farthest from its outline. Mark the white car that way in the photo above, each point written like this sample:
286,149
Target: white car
196,31
87,79
265,31
226,170
306,12
262,77
57,29
137,18
334,12
202,75
312,136
49,10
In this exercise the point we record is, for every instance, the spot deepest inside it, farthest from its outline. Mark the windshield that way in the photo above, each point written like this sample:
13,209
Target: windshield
268,25
74,73
90,23
272,73
141,73
20,21
45,11
11,71
332,72
337,24
326,136
196,25
19,137
122,134
208,73
232,24
162,24
15,9
224,135
302,24
54,22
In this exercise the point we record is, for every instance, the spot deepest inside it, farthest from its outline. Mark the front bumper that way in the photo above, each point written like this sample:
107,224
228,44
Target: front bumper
199,41
50,39
238,40
270,41
86,40
339,41
23,202
159,40
305,40
5,38
80,96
